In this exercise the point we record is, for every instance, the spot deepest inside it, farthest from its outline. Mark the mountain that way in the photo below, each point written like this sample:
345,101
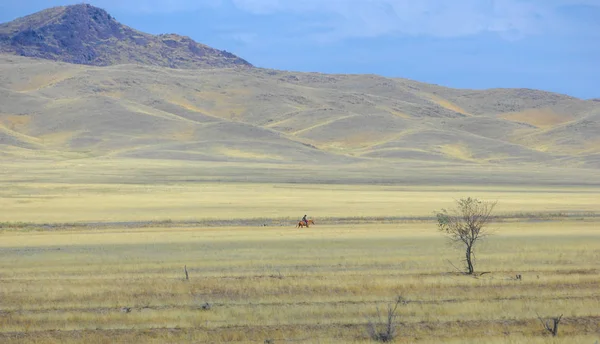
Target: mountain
116,106
84,34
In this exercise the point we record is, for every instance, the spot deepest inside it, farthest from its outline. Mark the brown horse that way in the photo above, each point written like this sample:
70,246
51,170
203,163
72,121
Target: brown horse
302,224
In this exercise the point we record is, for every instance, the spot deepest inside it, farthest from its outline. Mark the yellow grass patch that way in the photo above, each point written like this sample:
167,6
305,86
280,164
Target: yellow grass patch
114,94
393,112
59,138
319,284
184,103
320,124
185,134
15,122
457,151
223,105
62,102
19,136
592,146
238,153
542,118
356,141
125,202
44,80
206,102
139,108
586,147
447,104
18,153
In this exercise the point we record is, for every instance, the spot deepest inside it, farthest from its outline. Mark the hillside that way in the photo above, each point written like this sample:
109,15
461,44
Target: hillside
131,109
259,115
88,35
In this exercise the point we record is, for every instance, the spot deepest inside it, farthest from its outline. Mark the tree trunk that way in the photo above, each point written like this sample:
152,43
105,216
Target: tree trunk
555,328
469,255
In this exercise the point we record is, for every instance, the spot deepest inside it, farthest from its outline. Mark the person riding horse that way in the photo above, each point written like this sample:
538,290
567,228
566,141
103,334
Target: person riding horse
305,222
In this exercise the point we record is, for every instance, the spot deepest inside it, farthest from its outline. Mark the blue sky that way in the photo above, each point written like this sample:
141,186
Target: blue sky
543,44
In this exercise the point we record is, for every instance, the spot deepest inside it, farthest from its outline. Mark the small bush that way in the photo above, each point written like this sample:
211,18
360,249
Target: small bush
385,330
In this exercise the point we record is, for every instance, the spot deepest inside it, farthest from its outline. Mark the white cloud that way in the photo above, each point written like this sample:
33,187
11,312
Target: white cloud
242,37
340,19
441,18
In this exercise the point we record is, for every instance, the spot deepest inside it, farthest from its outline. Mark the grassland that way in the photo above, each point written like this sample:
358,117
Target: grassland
316,285
112,179
67,203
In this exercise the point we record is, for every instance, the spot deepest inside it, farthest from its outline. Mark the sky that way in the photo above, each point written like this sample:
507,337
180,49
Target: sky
550,45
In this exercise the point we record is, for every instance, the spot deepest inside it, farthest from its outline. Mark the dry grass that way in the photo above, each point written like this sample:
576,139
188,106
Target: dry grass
69,285
52,202
158,113
448,105
541,118
458,151
310,285
238,153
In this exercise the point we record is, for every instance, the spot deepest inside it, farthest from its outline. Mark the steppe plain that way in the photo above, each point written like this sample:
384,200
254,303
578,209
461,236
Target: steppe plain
264,279
115,178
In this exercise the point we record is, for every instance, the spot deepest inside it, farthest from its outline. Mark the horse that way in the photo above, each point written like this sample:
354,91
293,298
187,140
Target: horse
302,224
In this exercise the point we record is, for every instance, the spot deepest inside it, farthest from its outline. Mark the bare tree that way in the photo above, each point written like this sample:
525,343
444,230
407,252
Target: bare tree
466,225
551,327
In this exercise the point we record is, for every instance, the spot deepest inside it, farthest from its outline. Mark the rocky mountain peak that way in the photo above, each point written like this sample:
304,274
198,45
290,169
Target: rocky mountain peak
84,34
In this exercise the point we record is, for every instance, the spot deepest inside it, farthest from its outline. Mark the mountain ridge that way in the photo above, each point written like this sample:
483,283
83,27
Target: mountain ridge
88,35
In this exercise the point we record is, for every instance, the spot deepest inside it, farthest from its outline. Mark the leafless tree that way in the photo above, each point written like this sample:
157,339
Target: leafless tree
551,327
466,225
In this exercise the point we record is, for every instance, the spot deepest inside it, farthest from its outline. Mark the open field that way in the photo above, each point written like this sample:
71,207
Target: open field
106,202
314,285
115,178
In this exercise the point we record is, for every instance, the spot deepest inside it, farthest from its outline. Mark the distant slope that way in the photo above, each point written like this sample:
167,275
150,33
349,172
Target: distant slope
255,115
578,137
84,34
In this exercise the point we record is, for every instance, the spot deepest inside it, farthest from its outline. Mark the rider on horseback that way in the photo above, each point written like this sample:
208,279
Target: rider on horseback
305,220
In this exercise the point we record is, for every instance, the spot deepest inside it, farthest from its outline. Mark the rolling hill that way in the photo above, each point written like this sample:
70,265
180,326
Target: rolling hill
214,108
148,111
